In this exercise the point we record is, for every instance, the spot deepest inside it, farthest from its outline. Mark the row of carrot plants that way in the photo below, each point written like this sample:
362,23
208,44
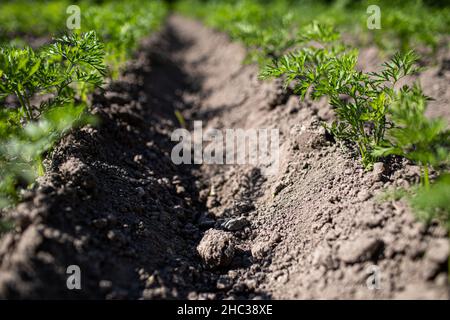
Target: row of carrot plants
375,116
44,91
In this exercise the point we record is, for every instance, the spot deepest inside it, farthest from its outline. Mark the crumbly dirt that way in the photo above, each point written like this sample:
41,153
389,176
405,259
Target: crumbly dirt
141,227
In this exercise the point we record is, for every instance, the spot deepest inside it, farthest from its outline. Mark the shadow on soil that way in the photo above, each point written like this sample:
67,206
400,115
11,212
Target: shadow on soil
113,203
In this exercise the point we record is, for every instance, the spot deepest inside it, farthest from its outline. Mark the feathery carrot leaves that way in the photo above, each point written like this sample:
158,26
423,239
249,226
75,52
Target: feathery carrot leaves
45,83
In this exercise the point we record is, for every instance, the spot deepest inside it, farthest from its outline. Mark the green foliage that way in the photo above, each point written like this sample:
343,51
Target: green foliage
434,202
48,87
266,32
21,154
266,44
120,25
69,66
55,77
5,226
404,24
360,100
379,119
409,24
43,92
82,60
413,135
424,141
18,70
372,113
35,18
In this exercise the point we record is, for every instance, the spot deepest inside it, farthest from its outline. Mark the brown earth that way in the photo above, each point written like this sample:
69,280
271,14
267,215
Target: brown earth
140,226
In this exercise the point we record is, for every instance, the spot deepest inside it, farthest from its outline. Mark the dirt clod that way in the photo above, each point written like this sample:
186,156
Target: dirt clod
261,249
438,251
378,171
217,248
360,249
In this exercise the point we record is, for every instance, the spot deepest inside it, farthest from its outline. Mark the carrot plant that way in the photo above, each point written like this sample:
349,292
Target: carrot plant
21,152
34,18
426,142
121,25
414,136
405,24
43,92
372,113
433,202
64,68
45,85
110,31
408,24
118,24
18,70
361,100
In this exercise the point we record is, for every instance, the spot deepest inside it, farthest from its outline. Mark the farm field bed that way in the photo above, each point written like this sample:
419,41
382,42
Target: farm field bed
112,201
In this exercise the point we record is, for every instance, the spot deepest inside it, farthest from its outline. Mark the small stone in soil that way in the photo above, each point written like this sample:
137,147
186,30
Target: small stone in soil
140,191
180,189
363,195
235,224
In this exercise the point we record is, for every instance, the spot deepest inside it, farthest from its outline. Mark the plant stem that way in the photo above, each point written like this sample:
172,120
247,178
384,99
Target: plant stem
24,106
426,178
30,112
40,166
